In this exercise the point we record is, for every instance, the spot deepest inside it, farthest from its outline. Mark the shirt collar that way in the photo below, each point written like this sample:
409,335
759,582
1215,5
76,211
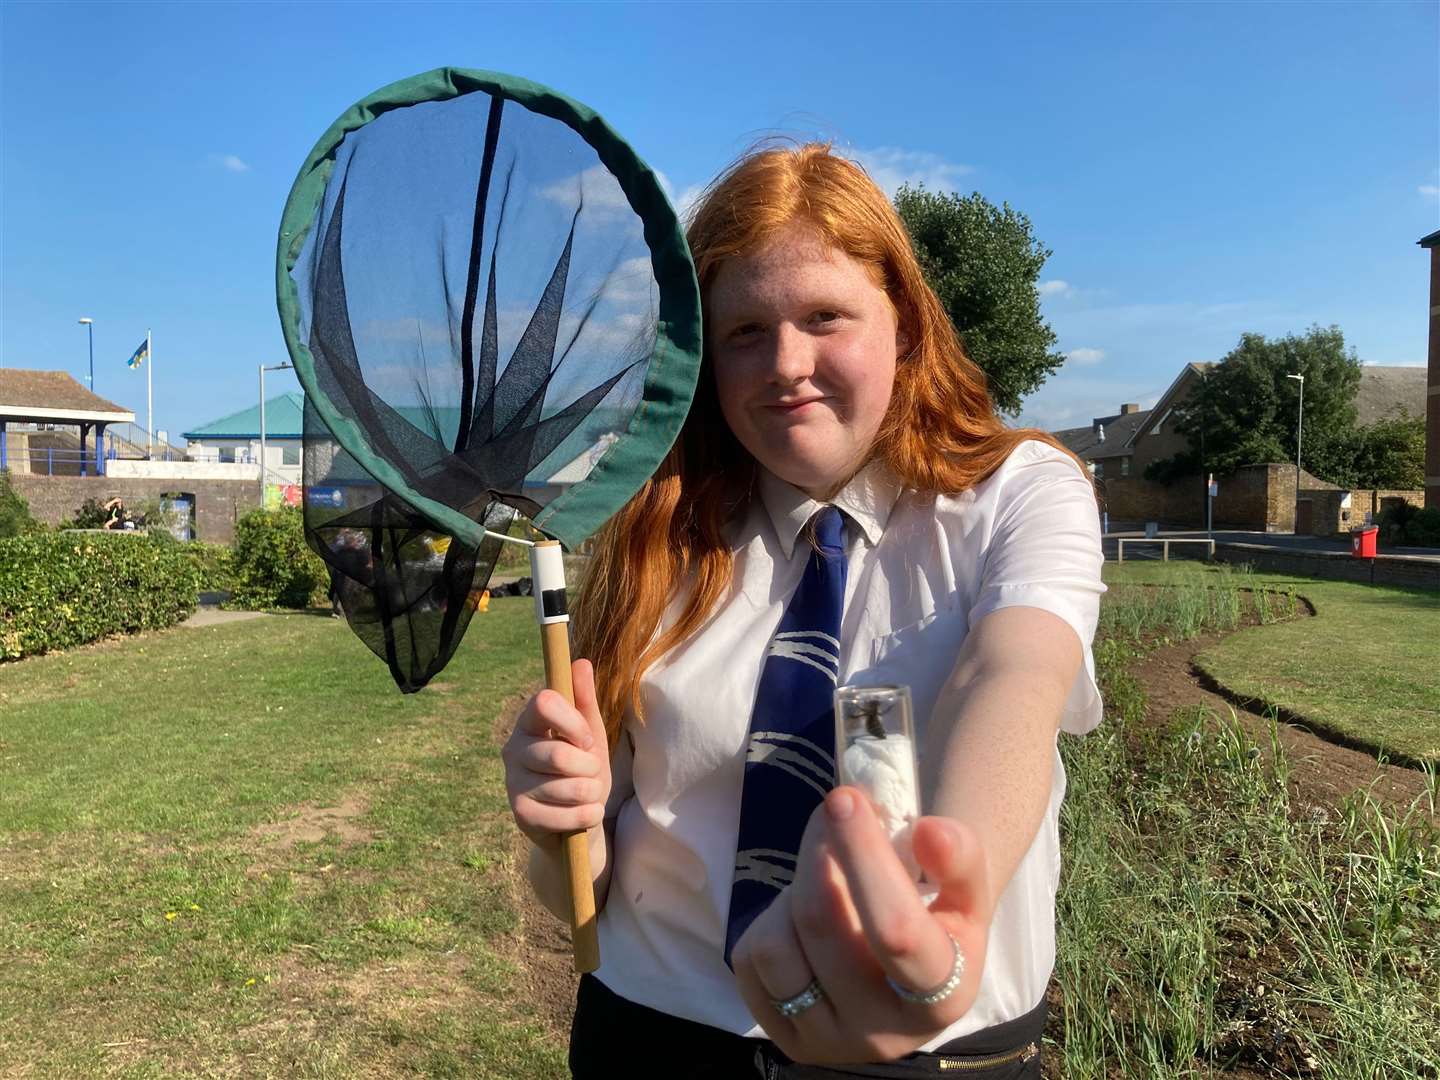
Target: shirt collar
867,500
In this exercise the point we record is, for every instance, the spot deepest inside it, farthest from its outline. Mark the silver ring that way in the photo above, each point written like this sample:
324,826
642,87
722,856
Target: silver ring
805,999
941,992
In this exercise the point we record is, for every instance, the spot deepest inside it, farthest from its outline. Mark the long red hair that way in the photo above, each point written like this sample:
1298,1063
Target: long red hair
941,433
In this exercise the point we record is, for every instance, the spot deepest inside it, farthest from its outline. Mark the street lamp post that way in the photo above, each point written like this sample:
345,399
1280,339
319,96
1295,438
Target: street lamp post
263,369
89,325
1299,431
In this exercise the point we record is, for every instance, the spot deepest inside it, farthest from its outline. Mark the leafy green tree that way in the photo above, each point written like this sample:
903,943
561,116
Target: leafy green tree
1245,410
983,262
1391,454
15,519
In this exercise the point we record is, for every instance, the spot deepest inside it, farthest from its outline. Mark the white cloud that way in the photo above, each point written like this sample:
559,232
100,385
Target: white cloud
891,168
1085,357
599,188
1430,191
229,162
633,280
1055,287
687,200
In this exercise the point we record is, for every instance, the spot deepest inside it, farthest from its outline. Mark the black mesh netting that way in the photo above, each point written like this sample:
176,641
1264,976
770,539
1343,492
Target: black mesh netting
478,299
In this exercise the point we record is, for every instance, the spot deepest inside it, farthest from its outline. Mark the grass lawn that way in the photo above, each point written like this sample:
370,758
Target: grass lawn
1207,924
1367,666
241,851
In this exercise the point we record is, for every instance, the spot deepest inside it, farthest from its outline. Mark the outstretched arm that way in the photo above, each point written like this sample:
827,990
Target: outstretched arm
853,917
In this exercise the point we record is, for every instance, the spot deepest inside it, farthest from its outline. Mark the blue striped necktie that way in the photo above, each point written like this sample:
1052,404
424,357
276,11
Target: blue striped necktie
790,759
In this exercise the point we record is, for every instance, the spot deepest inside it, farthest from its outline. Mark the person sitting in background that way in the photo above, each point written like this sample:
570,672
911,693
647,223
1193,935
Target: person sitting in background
115,511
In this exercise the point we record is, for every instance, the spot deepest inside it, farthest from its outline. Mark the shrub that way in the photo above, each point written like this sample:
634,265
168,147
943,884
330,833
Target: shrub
1424,528
1404,524
272,565
15,519
91,515
213,562
59,590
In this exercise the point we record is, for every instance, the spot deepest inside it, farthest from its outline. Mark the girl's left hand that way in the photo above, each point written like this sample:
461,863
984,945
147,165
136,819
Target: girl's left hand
852,917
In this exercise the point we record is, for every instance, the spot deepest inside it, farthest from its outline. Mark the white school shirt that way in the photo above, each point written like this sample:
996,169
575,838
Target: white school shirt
922,570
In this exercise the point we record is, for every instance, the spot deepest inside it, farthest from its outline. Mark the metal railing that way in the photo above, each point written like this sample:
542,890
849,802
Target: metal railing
61,461
130,441
1165,548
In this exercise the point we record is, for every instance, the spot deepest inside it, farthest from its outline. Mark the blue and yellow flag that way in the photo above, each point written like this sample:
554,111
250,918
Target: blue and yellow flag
140,355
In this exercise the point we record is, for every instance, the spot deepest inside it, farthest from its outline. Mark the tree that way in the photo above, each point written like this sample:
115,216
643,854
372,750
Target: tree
1245,410
983,263
1391,454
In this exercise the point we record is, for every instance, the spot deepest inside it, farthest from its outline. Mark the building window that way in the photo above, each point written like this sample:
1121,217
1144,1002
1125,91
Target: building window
1124,466
290,455
1098,469
227,455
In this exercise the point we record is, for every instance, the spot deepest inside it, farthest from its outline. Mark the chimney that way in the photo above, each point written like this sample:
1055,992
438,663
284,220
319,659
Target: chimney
1128,408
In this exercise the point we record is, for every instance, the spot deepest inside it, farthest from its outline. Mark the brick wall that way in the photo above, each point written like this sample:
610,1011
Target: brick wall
1403,570
1331,518
1245,499
218,503
1432,381
1257,497
1133,498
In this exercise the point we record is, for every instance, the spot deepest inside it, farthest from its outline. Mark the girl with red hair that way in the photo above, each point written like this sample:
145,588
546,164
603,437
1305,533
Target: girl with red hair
964,562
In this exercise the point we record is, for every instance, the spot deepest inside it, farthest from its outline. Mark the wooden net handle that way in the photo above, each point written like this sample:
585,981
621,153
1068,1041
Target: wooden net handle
555,645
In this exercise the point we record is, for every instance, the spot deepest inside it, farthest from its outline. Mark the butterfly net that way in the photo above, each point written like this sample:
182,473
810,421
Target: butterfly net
492,311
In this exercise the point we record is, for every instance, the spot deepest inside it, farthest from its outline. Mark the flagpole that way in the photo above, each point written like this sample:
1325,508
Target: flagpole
149,399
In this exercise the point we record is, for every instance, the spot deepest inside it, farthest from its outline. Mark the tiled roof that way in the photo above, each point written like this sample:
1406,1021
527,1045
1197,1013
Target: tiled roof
50,390
284,419
1084,442
1384,391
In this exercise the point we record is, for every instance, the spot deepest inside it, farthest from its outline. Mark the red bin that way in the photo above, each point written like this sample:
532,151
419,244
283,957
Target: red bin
1362,541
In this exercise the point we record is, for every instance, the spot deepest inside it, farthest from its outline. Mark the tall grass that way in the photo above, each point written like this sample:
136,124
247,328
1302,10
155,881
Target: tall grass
1162,614
1206,923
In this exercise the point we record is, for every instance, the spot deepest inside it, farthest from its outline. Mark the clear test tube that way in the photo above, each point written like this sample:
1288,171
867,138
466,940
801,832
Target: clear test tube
875,737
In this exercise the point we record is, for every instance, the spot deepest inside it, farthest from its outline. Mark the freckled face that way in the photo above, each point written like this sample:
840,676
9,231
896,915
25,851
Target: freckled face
804,347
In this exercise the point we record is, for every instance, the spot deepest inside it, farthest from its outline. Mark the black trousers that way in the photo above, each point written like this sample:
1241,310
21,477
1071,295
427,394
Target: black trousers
612,1037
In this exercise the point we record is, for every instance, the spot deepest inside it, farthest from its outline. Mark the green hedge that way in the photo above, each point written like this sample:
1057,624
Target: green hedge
15,519
213,562
1404,525
59,589
272,566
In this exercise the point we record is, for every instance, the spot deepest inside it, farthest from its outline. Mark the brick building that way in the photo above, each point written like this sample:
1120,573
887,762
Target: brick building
1432,391
1119,448
53,441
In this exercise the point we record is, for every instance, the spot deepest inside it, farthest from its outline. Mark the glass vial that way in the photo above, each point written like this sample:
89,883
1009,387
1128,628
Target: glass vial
875,737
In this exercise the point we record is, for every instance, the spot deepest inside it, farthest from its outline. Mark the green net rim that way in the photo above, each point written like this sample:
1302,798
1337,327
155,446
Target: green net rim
674,366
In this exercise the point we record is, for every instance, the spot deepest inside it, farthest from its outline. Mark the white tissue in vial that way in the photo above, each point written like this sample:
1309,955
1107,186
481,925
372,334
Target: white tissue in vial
885,770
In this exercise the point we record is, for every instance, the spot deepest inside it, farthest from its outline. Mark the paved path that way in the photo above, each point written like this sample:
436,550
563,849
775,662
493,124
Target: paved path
1279,541
214,616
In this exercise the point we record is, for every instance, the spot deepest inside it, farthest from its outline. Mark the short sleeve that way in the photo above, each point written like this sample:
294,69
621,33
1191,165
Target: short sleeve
1044,552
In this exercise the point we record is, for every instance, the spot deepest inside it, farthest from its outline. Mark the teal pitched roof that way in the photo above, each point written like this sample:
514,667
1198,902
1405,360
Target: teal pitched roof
284,419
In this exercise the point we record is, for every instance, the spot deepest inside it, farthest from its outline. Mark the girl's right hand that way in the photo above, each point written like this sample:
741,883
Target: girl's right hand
557,762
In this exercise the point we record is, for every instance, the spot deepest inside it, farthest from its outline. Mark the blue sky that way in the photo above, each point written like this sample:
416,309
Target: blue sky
1199,170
